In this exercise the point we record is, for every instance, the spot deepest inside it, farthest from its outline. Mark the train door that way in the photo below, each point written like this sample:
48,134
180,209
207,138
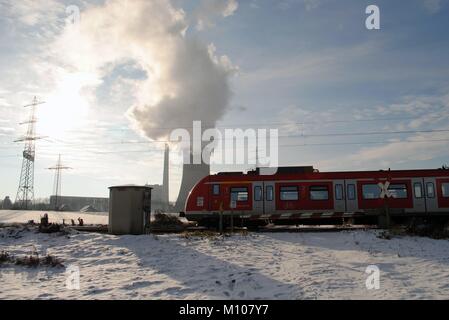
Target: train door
419,199
339,196
258,203
431,194
270,198
351,196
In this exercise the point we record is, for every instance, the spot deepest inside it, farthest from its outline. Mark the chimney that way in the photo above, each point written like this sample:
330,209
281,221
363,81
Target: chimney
166,177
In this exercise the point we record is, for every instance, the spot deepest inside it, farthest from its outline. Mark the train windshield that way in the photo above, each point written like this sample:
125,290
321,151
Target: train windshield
239,194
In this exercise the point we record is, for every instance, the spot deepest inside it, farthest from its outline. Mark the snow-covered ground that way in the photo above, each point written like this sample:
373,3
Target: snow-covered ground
298,265
10,216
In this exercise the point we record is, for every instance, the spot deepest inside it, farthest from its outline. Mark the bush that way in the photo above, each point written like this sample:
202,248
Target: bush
29,261
163,219
5,257
51,261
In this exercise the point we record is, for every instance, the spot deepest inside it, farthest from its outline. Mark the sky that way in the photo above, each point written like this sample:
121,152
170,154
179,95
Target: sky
125,74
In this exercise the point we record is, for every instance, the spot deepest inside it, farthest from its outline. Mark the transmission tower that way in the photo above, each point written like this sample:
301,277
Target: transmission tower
57,182
25,193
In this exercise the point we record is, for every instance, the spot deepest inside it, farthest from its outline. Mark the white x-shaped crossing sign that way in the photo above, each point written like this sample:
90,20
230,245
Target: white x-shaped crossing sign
384,190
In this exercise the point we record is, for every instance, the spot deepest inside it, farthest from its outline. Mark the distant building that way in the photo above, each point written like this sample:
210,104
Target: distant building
7,203
77,203
158,200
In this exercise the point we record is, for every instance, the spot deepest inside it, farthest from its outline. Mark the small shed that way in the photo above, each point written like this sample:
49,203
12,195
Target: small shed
129,209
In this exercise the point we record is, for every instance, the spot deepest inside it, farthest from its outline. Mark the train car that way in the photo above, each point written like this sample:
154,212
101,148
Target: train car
303,195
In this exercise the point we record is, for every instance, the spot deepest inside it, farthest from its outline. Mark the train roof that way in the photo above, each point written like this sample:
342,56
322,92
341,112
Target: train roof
311,172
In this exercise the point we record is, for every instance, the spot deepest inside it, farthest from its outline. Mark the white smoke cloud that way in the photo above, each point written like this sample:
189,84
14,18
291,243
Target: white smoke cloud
185,81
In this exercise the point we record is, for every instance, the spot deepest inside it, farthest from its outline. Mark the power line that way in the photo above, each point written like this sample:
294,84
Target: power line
206,125
281,145
336,134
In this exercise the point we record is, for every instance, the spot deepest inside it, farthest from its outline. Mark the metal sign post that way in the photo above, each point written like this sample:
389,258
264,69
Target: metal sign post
233,205
385,194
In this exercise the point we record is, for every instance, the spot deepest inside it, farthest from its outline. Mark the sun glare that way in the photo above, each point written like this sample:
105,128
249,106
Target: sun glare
65,110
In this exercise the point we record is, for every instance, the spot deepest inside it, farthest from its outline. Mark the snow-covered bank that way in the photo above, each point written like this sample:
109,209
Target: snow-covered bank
23,216
256,266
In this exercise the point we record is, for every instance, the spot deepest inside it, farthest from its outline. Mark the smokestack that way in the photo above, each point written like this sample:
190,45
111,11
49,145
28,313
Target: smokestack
166,177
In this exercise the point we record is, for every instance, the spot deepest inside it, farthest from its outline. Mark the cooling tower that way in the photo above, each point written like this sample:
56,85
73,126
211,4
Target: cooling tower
191,174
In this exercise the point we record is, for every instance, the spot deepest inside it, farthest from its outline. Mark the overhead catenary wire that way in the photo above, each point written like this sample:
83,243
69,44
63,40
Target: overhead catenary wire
335,134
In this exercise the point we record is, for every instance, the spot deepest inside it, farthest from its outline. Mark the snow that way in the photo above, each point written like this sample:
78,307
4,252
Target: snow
19,216
298,265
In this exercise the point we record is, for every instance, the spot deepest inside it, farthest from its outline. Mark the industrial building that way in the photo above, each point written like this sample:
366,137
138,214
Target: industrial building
67,203
6,203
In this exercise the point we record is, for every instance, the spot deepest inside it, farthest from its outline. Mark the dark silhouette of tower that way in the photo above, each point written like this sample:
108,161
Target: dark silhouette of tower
57,182
25,192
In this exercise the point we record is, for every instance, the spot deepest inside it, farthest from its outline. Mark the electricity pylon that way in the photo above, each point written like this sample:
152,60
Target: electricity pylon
57,182
25,193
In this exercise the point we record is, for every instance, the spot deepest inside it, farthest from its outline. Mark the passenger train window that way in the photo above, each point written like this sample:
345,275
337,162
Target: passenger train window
319,193
269,191
445,189
339,192
370,191
351,192
289,193
216,189
398,191
418,190
257,193
239,194
430,190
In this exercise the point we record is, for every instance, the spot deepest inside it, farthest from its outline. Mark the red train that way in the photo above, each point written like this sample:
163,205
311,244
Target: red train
303,195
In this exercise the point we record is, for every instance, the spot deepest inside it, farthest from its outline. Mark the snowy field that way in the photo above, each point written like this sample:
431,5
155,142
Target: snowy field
327,265
10,216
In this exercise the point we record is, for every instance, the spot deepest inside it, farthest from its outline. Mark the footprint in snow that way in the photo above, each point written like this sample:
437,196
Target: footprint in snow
232,285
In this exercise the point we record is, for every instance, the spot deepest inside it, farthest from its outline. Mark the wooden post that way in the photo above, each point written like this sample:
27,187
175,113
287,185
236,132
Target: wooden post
220,223
232,220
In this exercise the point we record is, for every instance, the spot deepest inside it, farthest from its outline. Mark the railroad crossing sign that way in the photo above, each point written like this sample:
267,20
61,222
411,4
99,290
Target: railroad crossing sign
385,193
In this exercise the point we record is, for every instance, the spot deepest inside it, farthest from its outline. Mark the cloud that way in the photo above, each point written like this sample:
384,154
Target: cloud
31,12
210,9
308,4
6,129
432,6
425,113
